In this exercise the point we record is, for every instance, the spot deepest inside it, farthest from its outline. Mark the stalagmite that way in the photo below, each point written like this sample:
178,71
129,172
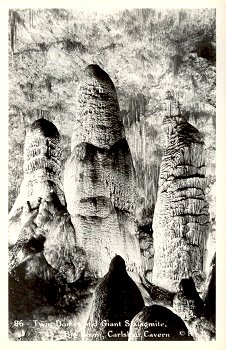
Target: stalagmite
99,179
40,212
181,217
42,172
116,301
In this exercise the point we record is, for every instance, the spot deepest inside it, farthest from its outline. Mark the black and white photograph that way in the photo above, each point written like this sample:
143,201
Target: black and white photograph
112,174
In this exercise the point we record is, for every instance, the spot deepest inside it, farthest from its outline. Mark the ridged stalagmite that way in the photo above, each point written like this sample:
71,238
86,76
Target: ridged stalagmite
39,212
181,217
116,301
42,164
99,178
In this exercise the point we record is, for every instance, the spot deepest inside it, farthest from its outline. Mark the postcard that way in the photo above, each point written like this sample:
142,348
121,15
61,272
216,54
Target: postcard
112,173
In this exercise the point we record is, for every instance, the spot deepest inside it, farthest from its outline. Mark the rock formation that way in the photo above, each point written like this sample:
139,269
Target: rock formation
190,307
97,110
42,166
181,218
157,323
187,302
209,296
39,221
99,180
116,300
202,329
153,294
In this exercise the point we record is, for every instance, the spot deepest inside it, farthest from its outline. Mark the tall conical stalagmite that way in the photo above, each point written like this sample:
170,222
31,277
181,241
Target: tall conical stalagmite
39,214
99,178
116,301
181,217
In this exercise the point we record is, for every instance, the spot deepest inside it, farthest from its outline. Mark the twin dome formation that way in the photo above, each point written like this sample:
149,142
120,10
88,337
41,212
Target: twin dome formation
96,219
89,219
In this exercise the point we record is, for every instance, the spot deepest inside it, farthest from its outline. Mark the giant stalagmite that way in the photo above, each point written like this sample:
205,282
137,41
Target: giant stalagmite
181,217
39,214
99,179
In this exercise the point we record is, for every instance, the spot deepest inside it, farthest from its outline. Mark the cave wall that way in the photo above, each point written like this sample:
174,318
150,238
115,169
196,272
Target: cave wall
45,67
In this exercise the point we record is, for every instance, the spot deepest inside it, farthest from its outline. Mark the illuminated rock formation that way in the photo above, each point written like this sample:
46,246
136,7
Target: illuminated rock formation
40,208
181,218
116,301
99,181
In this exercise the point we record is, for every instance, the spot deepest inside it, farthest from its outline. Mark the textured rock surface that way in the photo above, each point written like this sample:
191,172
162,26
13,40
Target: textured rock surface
99,180
191,308
116,299
39,214
97,112
187,302
155,294
157,323
202,329
42,171
181,217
